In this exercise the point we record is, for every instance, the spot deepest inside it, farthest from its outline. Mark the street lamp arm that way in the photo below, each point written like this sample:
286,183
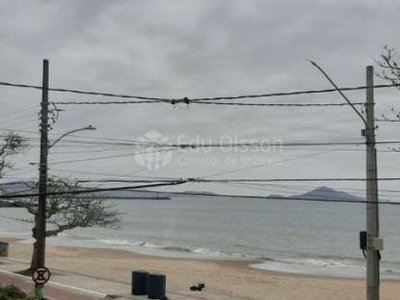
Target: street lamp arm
90,127
339,91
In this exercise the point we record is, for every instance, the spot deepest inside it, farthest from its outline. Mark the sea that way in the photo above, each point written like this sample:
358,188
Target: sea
288,236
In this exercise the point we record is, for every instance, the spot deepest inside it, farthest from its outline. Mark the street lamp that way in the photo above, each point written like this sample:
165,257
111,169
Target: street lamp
89,127
39,230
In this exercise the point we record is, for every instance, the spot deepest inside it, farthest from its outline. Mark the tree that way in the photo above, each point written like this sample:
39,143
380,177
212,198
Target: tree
11,144
389,62
68,211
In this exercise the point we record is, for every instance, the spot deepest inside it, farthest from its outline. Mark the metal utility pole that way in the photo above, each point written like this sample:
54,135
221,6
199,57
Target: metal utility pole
44,147
374,243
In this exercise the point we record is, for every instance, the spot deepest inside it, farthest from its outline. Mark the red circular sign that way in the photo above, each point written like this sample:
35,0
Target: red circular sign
41,275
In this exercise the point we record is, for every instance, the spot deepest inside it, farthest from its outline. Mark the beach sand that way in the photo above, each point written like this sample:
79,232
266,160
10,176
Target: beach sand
224,279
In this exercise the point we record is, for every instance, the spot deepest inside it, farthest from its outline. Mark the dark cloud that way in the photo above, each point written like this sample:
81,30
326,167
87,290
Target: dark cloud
199,48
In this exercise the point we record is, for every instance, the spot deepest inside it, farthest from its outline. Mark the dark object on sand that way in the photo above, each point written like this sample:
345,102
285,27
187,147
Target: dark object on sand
139,282
3,249
112,297
156,286
198,287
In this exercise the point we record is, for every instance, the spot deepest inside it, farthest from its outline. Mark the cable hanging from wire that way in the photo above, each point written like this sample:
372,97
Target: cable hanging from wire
208,103
95,190
188,100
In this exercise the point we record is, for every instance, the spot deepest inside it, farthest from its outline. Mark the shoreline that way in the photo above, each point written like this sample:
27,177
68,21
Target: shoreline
269,265
225,279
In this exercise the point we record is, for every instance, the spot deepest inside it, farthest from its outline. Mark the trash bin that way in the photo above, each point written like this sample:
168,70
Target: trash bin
3,249
155,286
139,282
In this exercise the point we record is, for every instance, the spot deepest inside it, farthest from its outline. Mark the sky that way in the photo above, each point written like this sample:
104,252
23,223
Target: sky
176,49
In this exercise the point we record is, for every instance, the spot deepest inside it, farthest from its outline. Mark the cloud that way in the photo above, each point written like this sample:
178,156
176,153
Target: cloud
197,48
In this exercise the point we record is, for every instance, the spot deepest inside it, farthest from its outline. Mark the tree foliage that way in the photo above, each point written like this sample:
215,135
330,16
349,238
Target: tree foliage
389,62
10,145
13,293
68,211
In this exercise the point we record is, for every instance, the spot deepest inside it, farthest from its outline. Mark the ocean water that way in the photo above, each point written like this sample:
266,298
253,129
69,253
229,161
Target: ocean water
298,237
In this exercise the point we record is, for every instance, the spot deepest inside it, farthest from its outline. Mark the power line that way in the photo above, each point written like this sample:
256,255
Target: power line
293,93
285,187
144,142
277,104
182,181
96,190
294,198
186,99
263,164
115,175
108,102
293,179
298,199
250,180
327,193
83,92
138,143
208,103
129,142
110,156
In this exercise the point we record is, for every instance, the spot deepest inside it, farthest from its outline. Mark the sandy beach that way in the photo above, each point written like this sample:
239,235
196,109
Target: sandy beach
224,279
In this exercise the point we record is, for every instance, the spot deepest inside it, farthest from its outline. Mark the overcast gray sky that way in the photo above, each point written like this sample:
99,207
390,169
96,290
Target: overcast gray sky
177,49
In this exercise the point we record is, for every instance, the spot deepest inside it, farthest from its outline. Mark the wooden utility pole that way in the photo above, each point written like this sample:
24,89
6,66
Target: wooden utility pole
44,147
374,243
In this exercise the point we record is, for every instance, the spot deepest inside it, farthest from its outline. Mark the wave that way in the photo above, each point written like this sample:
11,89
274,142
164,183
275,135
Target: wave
150,245
326,267
324,263
170,248
177,249
116,242
207,252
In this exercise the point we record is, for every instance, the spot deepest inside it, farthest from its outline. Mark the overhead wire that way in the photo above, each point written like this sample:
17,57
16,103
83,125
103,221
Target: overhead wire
201,179
326,193
174,100
94,190
276,104
112,174
208,103
268,163
38,87
108,157
293,198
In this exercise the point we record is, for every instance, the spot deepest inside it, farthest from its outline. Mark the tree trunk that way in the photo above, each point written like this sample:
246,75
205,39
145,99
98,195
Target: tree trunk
34,257
34,251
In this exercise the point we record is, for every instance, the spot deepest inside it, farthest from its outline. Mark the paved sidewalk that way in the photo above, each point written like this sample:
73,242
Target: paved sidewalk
51,290
65,285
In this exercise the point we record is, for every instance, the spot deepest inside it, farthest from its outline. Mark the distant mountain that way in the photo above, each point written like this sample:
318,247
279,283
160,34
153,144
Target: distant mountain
23,187
321,193
135,194
326,193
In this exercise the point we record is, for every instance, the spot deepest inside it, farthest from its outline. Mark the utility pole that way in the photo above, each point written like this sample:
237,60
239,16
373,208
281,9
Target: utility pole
374,243
44,147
